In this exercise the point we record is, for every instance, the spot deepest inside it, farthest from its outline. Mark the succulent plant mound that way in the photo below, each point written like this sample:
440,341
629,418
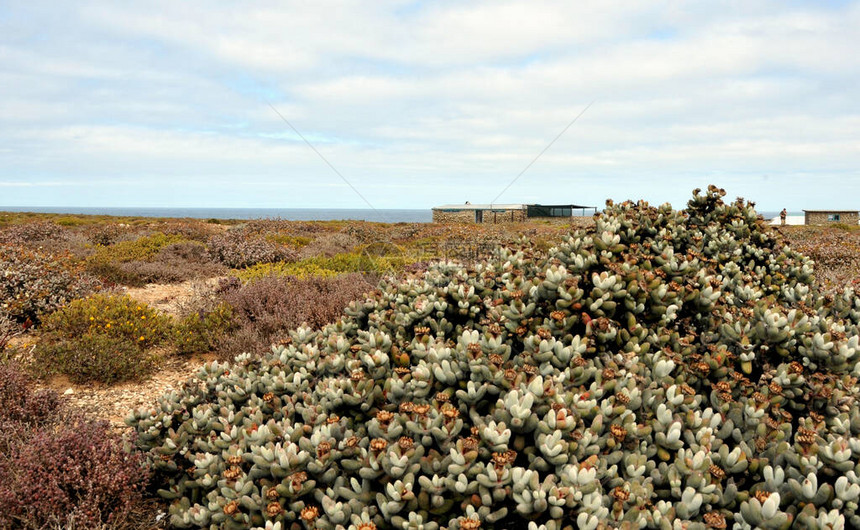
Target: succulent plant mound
667,366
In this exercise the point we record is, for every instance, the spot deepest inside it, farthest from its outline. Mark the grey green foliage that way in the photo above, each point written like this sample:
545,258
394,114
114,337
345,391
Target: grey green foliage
665,368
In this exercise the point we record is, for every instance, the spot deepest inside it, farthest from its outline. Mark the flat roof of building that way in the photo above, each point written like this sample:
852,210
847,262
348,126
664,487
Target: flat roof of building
831,211
574,206
480,207
504,206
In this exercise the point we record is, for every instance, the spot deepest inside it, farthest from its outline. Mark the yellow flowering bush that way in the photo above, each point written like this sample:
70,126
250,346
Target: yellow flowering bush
111,315
103,338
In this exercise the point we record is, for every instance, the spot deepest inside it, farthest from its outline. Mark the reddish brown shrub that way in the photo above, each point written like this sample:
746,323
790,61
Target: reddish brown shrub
235,250
267,308
174,263
835,249
77,474
58,469
30,233
33,283
20,403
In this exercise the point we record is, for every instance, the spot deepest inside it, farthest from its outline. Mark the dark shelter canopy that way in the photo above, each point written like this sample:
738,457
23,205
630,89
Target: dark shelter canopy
555,210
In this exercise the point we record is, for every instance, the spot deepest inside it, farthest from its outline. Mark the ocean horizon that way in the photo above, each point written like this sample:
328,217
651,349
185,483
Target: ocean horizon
288,214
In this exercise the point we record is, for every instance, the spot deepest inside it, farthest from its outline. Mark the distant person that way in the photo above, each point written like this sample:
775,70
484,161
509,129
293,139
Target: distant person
782,215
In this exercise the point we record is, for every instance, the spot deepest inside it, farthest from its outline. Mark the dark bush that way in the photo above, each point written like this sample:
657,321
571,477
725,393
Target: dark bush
113,274
94,357
58,469
174,263
267,308
33,283
29,233
77,475
188,251
106,234
234,249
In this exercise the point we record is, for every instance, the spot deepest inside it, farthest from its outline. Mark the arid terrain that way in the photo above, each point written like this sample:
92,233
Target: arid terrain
112,313
169,265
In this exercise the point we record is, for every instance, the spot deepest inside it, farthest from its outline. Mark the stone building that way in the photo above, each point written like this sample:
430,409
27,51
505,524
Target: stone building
823,217
505,213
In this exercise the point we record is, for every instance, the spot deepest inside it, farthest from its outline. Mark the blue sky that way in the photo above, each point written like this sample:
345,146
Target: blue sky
423,103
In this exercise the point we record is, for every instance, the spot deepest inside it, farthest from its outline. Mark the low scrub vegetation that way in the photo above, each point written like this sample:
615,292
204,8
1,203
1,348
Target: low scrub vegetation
31,233
33,283
835,249
177,262
266,309
328,266
236,250
140,249
59,469
103,338
286,274
204,329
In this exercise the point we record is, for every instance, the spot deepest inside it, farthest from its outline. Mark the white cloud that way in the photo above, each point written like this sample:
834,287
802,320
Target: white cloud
419,103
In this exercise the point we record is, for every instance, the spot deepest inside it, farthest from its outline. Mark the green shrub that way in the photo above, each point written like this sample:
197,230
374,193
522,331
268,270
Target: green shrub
94,358
288,240
141,249
300,269
107,261
200,331
101,338
326,267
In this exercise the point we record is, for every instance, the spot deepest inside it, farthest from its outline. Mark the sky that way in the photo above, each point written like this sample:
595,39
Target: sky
416,104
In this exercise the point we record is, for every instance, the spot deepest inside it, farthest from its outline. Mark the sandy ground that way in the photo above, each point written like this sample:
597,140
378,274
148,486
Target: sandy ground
168,298
115,402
